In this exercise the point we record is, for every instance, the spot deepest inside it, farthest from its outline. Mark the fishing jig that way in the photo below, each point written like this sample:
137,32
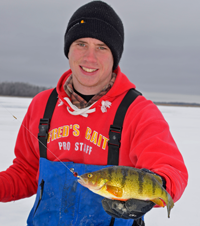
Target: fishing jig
74,173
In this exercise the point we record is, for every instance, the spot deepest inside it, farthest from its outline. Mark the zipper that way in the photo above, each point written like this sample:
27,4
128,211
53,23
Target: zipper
41,193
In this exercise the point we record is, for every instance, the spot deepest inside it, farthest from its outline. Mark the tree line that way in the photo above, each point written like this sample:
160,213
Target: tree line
20,89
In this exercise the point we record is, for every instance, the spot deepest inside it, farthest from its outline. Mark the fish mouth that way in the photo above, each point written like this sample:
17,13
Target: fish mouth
82,181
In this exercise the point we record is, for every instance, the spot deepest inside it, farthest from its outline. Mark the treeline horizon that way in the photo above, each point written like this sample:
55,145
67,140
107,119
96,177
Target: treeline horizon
20,89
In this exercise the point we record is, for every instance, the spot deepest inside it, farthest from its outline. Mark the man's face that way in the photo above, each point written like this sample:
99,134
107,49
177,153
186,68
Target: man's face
91,62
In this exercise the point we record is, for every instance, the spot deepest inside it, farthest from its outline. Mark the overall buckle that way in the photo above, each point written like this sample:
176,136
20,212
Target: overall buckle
44,127
114,135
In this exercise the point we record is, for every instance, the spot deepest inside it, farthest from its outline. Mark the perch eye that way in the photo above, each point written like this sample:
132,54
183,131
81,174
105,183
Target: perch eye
89,175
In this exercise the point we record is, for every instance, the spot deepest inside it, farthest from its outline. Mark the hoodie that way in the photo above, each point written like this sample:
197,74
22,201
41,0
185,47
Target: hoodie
82,135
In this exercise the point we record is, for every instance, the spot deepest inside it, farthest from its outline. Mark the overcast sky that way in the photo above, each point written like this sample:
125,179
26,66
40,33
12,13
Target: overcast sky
162,42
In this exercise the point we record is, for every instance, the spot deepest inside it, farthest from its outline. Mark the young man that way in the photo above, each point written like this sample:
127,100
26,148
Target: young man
89,95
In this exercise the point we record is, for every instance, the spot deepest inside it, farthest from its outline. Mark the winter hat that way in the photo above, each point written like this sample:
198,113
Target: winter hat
97,20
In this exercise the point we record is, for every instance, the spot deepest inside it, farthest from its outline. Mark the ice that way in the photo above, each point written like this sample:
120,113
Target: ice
185,127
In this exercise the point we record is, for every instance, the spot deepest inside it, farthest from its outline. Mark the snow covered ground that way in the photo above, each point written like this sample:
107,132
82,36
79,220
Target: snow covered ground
185,127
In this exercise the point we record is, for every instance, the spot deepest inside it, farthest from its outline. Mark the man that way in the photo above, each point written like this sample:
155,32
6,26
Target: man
89,95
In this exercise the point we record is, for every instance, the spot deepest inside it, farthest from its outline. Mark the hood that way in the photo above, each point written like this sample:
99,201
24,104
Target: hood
60,90
121,85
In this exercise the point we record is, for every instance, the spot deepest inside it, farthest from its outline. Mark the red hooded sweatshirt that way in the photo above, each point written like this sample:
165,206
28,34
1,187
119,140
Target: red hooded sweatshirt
79,137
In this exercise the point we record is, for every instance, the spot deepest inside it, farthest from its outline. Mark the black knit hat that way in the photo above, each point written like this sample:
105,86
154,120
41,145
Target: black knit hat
96,20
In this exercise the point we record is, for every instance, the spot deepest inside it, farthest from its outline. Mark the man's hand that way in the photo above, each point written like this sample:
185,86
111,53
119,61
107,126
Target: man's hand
130,209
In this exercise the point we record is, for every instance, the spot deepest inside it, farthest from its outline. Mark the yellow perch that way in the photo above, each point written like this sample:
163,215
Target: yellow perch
123,183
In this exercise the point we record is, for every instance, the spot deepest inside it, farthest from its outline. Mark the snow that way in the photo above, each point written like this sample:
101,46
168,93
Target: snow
185,127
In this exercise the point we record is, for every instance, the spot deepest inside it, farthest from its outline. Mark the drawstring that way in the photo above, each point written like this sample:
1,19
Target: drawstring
104,105
84,111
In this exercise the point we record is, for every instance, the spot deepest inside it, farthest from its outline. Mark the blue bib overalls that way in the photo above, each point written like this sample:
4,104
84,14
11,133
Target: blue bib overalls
60,199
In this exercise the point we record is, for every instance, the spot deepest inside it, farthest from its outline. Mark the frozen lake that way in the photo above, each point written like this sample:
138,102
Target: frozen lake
185,127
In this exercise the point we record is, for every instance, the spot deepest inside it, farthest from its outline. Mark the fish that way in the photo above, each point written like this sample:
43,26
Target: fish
124,183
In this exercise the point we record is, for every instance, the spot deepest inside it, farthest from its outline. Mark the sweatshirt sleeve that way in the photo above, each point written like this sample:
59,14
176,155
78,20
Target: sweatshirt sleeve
153,147
20,179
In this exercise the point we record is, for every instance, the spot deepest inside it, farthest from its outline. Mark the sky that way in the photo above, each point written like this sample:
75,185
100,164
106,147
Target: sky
184,125
161,51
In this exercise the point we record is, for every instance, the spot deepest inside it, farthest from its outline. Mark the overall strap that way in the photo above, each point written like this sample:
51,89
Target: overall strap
114,134
115,137
45,123
116,128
